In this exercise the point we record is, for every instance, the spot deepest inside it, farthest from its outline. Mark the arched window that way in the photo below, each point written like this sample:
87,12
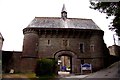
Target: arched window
92,48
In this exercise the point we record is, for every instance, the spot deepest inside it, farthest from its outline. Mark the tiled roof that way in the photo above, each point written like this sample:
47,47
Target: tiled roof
57,22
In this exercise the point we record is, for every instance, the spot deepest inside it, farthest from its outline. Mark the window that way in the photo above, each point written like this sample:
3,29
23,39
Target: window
92,48
81,47
48,42
36,49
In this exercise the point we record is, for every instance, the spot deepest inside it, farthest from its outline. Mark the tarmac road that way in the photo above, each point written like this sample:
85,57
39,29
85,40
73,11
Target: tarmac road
111,73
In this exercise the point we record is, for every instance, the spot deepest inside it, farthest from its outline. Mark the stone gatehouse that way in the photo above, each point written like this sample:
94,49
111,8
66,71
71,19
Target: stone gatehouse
53,37
75,40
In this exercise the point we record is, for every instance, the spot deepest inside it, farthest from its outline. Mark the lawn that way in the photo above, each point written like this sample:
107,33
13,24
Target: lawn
20,75
29,76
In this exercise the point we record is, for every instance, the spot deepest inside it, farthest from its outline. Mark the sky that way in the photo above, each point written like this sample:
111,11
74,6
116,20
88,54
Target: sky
15,15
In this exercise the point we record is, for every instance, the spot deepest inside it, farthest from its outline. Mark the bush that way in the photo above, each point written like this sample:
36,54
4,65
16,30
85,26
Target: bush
45,67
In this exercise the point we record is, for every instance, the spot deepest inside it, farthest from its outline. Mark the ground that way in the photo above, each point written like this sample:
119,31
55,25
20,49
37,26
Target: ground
110,73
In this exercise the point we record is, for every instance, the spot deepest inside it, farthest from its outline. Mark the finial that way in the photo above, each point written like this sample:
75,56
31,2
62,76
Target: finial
63,8
64,12
1,37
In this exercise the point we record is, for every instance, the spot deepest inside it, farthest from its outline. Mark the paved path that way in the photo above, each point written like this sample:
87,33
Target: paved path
68,76
63,74
110,73
77,76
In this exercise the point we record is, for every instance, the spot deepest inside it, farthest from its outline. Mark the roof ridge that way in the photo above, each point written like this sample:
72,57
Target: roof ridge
67,18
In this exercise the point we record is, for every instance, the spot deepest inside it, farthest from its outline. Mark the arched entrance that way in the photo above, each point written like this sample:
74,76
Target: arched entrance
66,60
65,63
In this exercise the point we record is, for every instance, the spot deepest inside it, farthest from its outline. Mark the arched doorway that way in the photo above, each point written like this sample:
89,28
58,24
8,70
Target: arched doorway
66,61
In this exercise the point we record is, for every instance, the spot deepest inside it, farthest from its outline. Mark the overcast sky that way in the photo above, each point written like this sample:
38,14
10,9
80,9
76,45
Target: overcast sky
15,15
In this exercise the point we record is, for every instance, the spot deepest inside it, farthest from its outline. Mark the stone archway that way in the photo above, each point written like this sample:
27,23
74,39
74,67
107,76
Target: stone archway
69,54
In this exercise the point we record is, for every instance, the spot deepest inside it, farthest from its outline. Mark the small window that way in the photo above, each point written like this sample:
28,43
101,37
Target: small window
36,49
92,48
81,47
48,42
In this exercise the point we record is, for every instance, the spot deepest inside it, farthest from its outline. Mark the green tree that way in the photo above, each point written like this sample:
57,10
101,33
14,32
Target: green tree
111,9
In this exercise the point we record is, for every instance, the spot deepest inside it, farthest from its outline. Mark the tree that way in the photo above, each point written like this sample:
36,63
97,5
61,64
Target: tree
111,9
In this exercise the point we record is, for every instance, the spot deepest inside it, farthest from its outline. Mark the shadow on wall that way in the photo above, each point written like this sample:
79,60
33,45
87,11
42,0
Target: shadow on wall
7,61
113,59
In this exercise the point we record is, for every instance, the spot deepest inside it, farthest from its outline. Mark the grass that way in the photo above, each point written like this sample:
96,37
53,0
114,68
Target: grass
30,76
20,75
47,77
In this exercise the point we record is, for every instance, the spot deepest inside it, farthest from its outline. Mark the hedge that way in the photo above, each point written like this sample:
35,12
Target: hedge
45,67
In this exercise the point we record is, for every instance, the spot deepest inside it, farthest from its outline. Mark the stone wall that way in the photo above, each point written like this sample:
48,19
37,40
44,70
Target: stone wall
43,43
11,60
30,44
114,50
27,65
16,60
7,61
57,44
30,50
